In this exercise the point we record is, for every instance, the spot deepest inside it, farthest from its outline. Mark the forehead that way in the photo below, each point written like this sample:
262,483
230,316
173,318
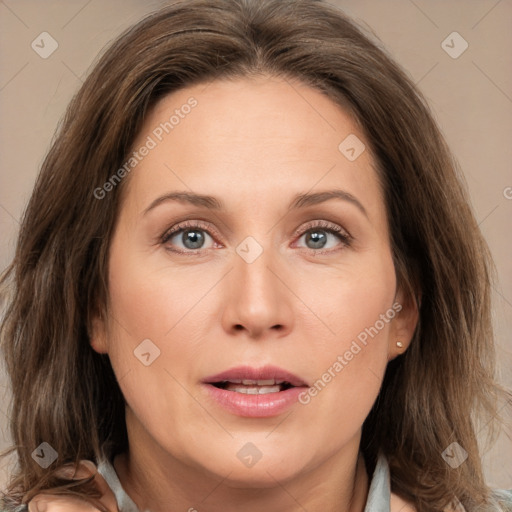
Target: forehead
259,138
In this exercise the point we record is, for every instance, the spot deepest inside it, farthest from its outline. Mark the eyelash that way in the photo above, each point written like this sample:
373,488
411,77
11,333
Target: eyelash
345,238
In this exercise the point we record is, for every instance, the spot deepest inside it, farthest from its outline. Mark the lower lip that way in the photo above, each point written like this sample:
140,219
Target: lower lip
254,406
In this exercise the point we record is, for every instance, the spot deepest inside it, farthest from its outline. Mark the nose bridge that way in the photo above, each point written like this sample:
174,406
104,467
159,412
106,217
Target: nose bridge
253,268
258,298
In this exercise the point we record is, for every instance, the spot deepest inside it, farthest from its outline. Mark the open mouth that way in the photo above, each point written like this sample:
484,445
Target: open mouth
253,387
253,392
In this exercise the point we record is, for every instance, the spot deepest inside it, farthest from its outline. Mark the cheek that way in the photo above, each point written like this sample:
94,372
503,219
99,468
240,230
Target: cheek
150,344
152,300
351,349
347,300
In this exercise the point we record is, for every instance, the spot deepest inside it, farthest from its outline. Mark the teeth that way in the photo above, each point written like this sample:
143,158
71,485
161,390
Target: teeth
269,382
254,387
250,382
259,390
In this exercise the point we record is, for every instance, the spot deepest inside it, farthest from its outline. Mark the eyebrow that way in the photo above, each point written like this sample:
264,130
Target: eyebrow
299,201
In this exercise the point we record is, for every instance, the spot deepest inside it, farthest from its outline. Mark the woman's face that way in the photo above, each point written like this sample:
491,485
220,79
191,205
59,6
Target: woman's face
273,264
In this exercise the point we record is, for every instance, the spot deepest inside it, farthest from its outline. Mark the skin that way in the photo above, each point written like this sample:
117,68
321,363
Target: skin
254,144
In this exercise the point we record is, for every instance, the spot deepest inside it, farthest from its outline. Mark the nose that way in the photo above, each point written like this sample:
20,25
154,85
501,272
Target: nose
258,298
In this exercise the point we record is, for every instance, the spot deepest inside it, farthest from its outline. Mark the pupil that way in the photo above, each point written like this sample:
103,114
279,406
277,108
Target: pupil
192,239
317,238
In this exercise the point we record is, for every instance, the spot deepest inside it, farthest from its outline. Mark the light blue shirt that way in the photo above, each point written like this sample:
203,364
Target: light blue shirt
379,494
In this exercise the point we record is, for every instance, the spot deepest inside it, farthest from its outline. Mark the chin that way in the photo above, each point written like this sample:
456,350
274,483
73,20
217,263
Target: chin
274,466
262,478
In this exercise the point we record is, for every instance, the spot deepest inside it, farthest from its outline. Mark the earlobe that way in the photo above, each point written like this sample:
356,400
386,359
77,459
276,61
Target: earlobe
97,335
404,325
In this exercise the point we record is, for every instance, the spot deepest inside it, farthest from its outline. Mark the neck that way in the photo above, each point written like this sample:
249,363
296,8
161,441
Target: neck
158,482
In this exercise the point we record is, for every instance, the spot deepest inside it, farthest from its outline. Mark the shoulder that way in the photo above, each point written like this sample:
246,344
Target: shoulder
504,498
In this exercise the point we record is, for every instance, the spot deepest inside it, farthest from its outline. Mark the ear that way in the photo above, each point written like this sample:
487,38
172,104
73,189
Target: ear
404,323
98,333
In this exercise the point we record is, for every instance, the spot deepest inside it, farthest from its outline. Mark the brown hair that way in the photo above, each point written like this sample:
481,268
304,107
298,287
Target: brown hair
66,394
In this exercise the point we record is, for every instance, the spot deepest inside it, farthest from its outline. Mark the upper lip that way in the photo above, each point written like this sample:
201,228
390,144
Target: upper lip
268,372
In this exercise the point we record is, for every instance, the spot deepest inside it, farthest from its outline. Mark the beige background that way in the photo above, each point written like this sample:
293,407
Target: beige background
471,97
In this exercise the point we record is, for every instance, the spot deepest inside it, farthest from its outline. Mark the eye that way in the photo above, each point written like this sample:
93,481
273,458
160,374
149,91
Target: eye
188,237
192,237
324,236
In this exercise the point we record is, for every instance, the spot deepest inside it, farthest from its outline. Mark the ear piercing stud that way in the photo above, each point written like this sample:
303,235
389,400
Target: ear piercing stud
399,344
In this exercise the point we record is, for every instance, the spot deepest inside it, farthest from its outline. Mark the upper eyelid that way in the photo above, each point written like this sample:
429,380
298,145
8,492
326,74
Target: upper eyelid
321,224
189,224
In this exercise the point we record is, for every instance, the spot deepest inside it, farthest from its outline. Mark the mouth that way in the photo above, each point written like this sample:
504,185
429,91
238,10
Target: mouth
253,387
254,392
255,381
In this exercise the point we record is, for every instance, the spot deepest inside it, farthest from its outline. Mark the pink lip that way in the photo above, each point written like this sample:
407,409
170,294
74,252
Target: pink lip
255,406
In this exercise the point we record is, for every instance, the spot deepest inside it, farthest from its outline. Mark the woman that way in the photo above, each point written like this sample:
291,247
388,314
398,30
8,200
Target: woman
249,277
